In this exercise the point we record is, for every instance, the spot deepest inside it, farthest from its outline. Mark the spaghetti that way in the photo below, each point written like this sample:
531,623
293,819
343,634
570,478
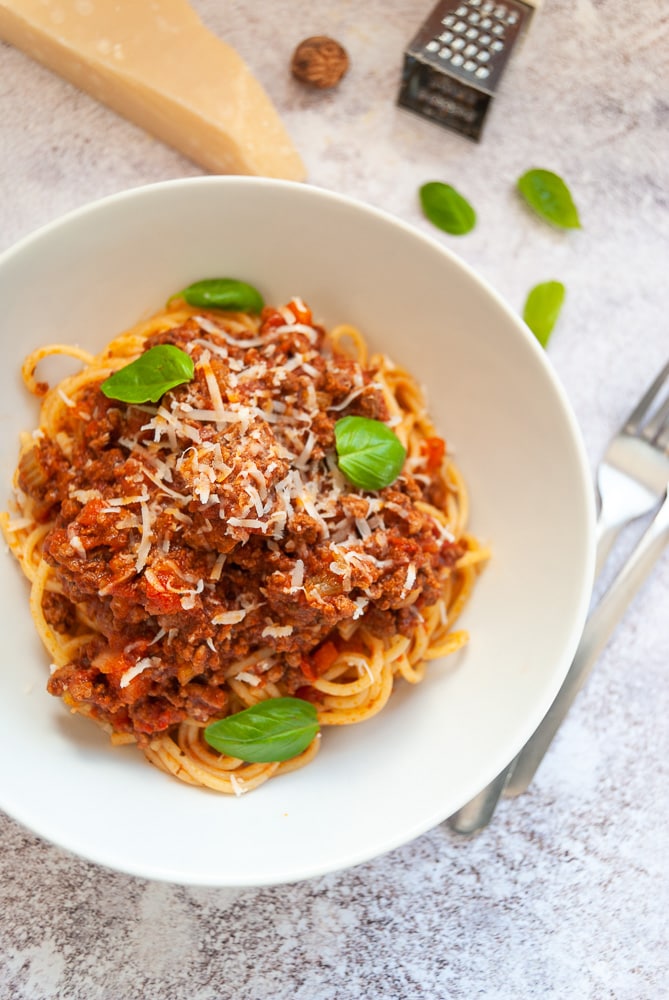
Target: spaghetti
192,557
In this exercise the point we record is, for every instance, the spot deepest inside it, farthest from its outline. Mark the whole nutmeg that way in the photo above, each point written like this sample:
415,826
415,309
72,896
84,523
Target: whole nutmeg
319,61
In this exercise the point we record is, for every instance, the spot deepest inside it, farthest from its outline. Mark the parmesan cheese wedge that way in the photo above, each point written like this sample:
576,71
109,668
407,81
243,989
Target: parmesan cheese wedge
155,63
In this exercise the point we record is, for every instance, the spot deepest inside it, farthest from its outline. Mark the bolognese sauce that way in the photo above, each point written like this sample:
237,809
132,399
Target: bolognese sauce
209,544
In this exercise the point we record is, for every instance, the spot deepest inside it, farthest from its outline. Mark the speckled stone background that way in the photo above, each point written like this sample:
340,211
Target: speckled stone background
566,894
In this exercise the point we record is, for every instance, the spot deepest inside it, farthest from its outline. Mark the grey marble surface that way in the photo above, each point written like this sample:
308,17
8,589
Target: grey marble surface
566,894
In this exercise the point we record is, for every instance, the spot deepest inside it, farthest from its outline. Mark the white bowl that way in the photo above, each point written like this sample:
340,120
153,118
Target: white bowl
494,396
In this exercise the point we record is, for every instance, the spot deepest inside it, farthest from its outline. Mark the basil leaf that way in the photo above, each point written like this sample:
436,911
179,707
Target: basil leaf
275,729
223,293
550,198
149,377
369,454
446,208
542,308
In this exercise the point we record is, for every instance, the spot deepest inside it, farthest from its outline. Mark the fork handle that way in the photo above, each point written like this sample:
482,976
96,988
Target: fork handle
596,634
517,776
607,533
610,523
478,812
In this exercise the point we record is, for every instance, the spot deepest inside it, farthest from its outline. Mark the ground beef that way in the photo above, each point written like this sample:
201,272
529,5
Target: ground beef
214,526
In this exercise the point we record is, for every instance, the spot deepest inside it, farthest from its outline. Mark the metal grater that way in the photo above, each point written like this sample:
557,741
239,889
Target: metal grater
454,65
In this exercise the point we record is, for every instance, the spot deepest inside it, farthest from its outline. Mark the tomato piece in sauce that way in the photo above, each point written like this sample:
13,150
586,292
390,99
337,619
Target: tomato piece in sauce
434,449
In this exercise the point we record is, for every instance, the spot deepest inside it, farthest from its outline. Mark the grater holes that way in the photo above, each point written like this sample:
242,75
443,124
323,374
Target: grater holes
474,33
470,35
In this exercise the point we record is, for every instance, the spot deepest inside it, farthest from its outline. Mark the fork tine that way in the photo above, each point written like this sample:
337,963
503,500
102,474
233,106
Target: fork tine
656,431
636,416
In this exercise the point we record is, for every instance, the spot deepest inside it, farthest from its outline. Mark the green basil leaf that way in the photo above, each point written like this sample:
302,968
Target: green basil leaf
542,308
149,377
550,198
223,293
273,730
369,454
446,208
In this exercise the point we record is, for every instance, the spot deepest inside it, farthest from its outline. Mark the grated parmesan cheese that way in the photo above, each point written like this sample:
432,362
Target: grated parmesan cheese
209,327
361,603
247,522
83,496
246,678
229,617
139,668
409,580
363,527
238,785
145,541
297,576
277,631
125,501
217,568
65,398
303,458
78,546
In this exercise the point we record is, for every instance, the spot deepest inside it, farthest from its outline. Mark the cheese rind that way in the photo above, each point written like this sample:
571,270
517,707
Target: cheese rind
155,63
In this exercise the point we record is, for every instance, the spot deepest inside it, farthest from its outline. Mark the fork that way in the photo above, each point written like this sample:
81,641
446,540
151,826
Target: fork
632,475
632,479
